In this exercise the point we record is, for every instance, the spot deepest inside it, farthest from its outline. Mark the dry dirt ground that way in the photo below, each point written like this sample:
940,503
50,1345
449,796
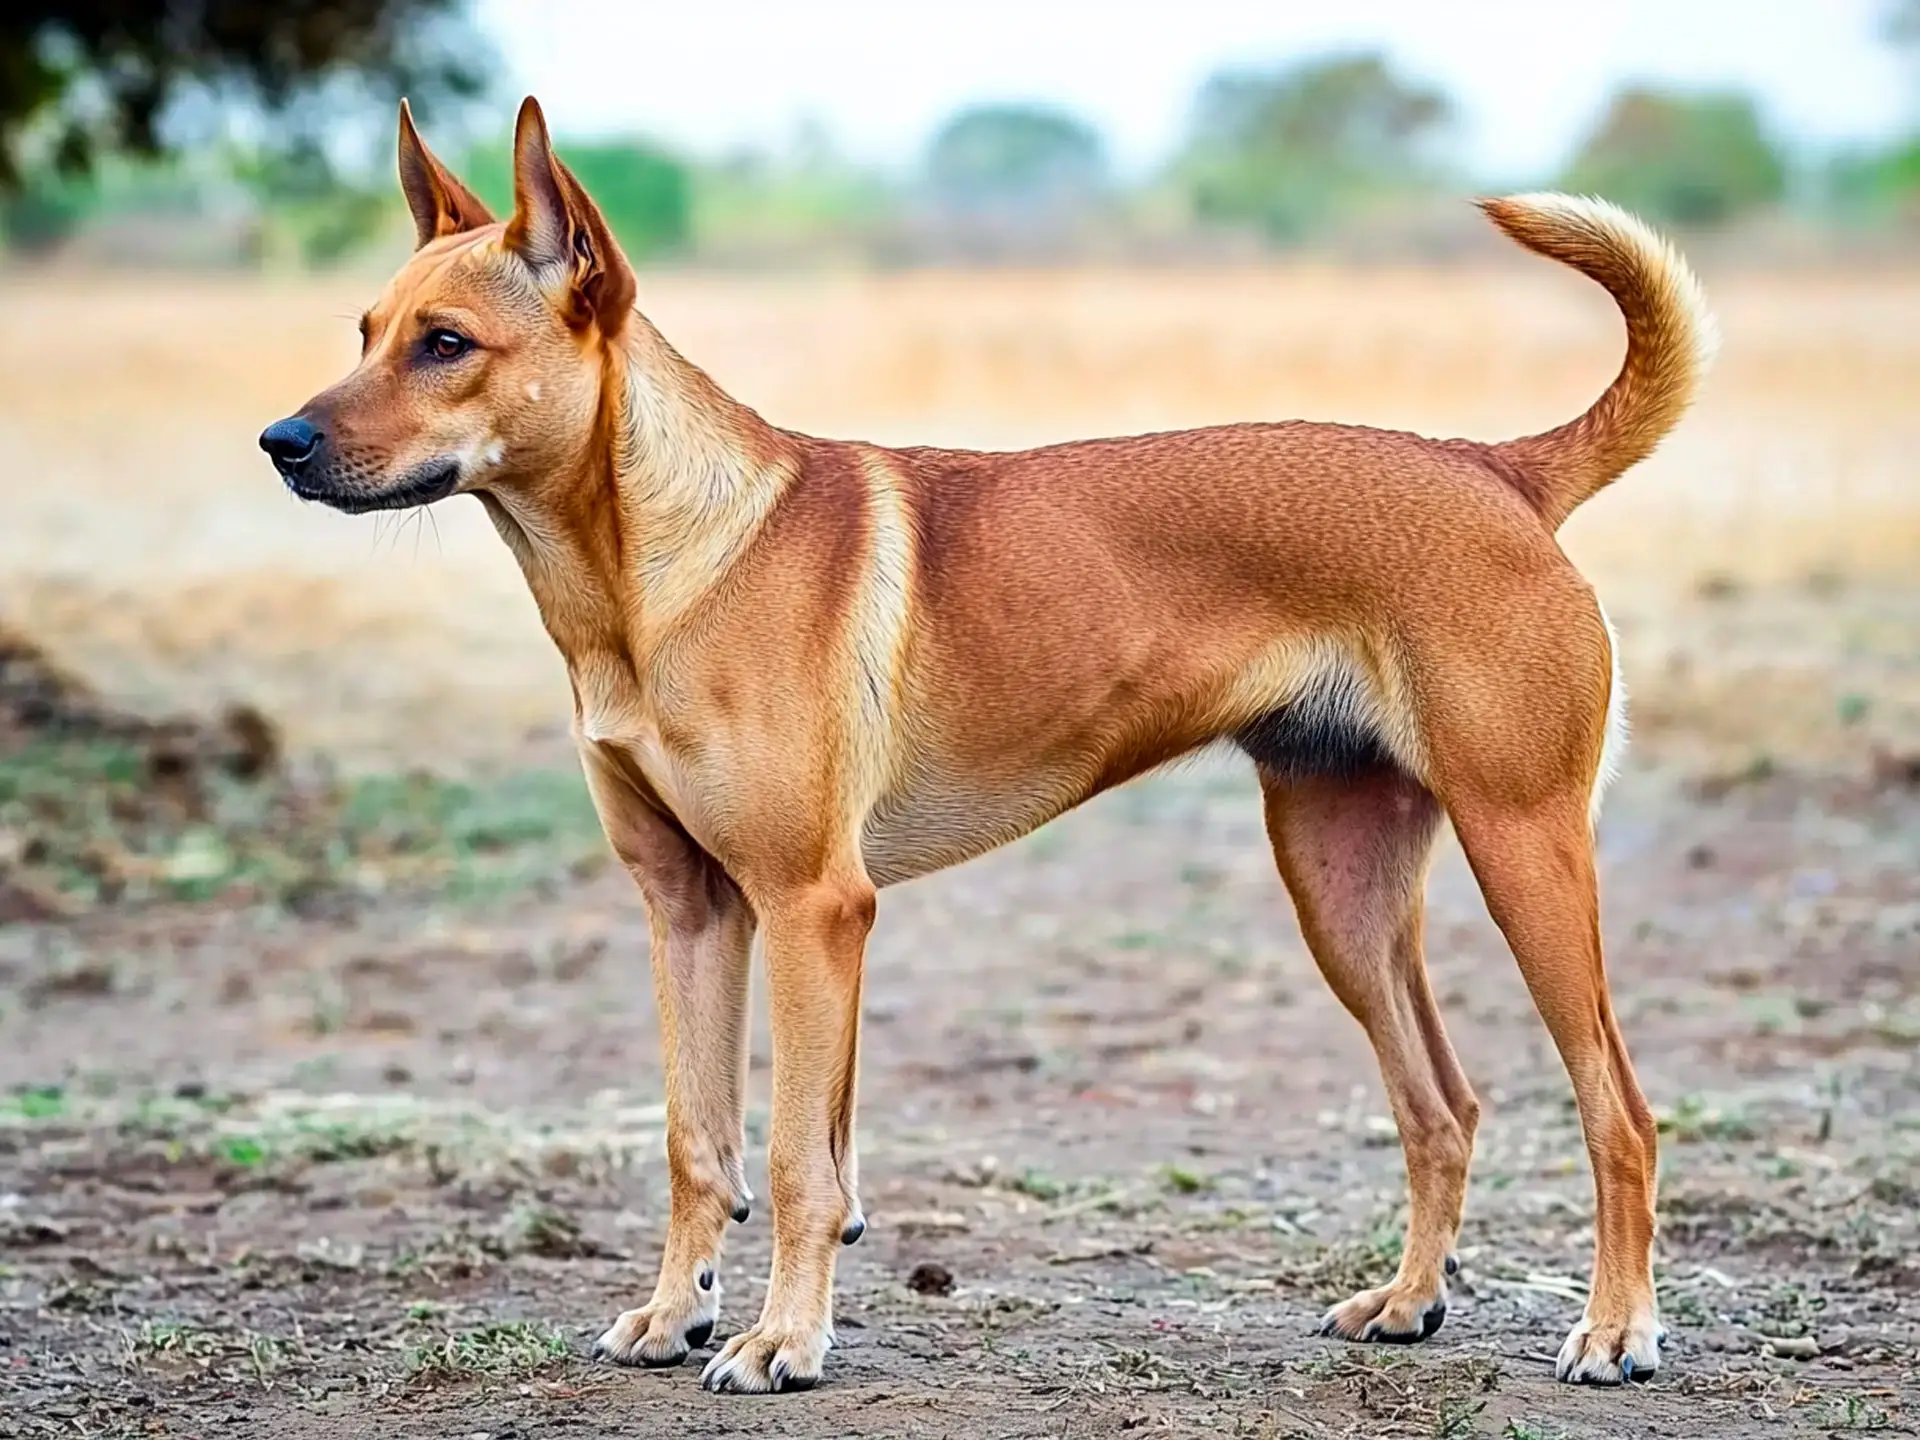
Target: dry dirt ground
385,1159
264,1175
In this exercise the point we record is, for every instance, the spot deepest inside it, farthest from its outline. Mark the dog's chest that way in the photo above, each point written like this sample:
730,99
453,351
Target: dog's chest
612,717
944,820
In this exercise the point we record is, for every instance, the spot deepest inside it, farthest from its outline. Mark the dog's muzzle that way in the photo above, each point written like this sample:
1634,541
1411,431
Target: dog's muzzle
314,471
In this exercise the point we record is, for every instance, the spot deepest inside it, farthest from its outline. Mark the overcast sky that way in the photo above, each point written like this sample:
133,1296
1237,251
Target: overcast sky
711,75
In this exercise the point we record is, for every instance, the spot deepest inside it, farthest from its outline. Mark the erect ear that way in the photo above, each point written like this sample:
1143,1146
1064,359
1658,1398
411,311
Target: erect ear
555,223
441,205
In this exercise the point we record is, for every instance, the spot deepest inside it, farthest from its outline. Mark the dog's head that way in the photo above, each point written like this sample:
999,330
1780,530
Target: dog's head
482,364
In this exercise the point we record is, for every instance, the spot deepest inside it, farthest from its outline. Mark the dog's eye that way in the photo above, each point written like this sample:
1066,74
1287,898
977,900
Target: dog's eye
447,344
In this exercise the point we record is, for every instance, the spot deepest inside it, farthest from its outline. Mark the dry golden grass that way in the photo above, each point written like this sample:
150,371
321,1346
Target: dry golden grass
145,537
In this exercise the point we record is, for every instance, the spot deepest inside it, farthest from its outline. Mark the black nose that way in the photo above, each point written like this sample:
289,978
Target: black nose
290,442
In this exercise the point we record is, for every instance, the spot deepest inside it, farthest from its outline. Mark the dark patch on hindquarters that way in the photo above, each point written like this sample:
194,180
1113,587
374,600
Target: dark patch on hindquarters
1324,731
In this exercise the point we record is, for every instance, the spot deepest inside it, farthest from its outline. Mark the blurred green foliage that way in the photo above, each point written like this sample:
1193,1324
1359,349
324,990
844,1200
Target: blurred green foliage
1875,186
786,206
1015,154
45,208
84,78
113,109
326,215
1284,150
1321,146
1684,159
645,192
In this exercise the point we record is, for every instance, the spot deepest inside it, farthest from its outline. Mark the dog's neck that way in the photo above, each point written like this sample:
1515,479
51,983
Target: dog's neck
666,493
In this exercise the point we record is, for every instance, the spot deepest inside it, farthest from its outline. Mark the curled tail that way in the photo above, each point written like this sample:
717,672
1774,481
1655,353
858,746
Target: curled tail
1671,339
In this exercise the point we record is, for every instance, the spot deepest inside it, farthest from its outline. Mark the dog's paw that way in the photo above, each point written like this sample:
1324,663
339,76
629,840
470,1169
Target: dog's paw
664,1331
1600,1353
764,1360
1396,1314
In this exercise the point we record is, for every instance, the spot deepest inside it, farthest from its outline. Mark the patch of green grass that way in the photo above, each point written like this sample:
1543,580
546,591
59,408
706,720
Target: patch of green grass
234,1354
175,1338
35,1102
509,1348
113,820
1457,1419
265,1355
1183,1181
1683,1307
1691,1119
1037,1184
1789,1311
478,840
328,1141
1853,1412
241,1150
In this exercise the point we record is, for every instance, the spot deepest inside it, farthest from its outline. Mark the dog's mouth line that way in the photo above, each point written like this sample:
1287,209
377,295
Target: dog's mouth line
433,482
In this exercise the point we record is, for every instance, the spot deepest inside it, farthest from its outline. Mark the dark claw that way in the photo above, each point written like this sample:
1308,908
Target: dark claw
741,1210
1453,1264
600,1350
1328,1326
705,1278
1374,1335
699,1335
1431,1320
856,1227
1626,1367
784,1379
1660,1337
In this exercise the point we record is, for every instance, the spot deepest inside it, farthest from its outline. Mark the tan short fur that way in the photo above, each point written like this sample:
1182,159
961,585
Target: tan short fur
803,669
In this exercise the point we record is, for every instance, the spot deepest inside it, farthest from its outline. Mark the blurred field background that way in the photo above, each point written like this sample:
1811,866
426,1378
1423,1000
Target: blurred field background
1302,249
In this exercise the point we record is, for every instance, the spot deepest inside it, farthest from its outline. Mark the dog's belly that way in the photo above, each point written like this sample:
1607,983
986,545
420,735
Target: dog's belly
931,825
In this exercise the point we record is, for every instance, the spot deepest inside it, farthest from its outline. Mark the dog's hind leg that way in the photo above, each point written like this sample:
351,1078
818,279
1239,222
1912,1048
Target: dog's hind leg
1516,720
1353,851
702,933
1535,865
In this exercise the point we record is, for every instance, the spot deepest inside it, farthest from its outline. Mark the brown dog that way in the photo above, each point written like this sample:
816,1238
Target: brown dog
803,669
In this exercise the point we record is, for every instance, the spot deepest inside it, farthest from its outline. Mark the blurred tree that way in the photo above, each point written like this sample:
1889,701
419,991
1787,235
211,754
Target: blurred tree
1686,159
1015,157
1880,183
81,76
1284,149
1903,22
645,193
81,79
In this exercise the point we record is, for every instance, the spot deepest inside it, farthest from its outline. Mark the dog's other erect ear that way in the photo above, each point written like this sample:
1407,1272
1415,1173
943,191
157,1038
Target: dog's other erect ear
441,205
555,223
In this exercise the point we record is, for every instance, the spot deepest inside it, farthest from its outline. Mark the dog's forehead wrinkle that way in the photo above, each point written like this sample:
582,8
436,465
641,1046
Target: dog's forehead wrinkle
430,278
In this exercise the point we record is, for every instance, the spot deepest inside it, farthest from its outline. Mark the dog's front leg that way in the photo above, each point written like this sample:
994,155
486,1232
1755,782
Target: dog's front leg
816,947
702,933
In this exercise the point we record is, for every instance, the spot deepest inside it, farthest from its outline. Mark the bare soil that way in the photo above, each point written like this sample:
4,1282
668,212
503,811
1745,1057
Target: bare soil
265,1175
